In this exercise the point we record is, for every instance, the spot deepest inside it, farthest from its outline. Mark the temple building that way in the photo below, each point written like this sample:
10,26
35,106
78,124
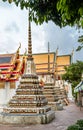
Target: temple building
11,69
12,66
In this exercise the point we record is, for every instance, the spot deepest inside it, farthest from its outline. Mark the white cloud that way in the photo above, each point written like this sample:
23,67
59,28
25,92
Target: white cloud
14,29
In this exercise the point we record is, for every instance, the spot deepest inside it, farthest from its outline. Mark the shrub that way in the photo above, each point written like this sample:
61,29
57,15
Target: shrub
73,127
80,122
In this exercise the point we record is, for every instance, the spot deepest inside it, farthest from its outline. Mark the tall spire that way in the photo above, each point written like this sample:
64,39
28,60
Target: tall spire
48,58
29,39
30,65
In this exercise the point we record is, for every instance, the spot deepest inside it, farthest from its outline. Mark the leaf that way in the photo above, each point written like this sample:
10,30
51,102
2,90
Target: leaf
80,11
79,48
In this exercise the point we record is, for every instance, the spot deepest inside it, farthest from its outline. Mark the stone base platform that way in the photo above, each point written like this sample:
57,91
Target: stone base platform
25,119
52,105
55,106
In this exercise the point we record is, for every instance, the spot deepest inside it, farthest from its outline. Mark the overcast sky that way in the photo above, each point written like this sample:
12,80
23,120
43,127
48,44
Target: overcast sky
14,29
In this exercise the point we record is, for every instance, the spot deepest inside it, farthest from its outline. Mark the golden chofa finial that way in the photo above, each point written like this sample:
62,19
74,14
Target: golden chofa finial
19,47
25,53
18,50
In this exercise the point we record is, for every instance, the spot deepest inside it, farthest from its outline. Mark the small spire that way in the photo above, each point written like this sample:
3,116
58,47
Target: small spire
56,54
72,51
57,50
29,40
72,56
48,58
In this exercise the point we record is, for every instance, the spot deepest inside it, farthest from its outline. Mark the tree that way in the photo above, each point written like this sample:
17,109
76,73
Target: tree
73,73
61,12
71,12
80,40
40,10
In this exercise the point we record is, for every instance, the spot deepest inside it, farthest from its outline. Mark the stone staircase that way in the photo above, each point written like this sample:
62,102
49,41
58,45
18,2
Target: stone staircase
61,92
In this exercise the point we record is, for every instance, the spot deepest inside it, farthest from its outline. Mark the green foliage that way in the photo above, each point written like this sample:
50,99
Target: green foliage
41,10
71,12
77,126
73,73
80,122
61,12
80,40
73,127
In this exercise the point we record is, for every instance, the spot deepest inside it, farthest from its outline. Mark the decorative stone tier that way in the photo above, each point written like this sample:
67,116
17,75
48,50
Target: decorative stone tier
60,94
31,110
50,95
28,101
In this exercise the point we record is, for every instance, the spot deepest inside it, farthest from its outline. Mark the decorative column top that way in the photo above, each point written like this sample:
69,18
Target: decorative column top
30,65
29,41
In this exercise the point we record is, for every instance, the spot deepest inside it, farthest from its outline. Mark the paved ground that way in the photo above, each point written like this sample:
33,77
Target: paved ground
64,118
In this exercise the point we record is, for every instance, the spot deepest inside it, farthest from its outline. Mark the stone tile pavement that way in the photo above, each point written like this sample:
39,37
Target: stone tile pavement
64,118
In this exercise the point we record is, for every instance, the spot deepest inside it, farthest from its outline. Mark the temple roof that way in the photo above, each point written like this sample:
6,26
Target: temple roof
10,67
6,59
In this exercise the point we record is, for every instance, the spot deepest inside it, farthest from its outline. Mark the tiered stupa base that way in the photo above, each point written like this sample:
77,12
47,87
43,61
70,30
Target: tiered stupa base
28,105
49,93
24,119
61,95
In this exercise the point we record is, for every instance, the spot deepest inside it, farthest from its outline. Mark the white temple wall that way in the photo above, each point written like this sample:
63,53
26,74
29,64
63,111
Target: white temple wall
69,94
6,94
9,92
7,88
2,97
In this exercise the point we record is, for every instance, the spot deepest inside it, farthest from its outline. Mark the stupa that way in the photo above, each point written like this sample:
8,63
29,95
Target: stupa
49,92
28,105
49,86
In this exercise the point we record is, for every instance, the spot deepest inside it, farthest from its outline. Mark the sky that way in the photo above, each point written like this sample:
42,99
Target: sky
14,30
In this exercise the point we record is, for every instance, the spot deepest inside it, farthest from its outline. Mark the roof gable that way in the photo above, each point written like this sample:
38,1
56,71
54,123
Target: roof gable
5,60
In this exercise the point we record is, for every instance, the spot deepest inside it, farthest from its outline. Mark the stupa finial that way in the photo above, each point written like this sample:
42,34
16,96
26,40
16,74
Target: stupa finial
29,39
